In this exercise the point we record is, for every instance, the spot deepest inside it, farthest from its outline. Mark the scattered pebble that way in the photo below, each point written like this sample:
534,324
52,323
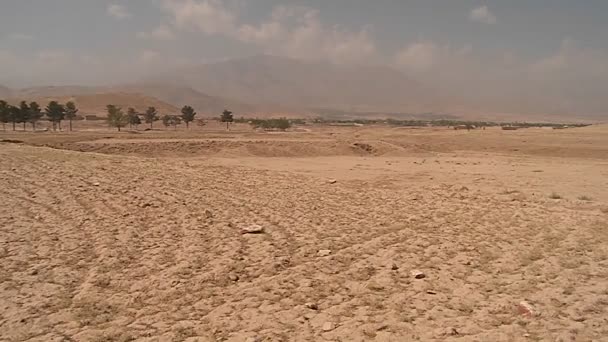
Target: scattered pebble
526,309
328,326
96,184
208,214
418,274
324,252
431,292
332,181
312,306
253,229
394,267
233,277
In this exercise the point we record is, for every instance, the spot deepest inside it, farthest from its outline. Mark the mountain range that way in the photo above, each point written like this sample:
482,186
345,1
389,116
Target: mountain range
264,85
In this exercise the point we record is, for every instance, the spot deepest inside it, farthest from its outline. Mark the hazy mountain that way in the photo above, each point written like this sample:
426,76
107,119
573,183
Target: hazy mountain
270,80
5,92
95,103
180,96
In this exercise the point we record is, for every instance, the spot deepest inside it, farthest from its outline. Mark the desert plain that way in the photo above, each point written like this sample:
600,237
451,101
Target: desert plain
369,233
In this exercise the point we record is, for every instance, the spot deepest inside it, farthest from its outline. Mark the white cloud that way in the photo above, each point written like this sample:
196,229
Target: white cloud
118,11
482,14
162,32
294,31
420,56
572,58
209,16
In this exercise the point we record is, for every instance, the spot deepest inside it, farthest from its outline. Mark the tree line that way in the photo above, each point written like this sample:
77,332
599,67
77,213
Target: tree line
56,113
118,118
32,113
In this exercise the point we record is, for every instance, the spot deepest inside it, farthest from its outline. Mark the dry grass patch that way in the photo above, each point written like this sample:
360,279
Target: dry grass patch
555,195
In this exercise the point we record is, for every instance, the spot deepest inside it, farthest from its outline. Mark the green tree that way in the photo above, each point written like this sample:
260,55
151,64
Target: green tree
150,116
133,118
55,112
4,114
188,115
14,114
35,114
24,113
116,118
227,118
70,112
171,120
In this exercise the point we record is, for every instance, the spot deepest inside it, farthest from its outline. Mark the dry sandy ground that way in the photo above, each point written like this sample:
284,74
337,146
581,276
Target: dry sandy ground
107,237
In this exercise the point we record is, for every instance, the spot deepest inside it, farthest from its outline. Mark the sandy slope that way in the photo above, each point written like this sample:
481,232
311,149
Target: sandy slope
114,247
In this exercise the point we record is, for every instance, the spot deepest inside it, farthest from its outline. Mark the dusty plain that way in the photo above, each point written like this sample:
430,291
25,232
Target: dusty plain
109,236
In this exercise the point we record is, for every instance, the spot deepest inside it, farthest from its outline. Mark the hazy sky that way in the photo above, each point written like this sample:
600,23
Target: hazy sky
552,47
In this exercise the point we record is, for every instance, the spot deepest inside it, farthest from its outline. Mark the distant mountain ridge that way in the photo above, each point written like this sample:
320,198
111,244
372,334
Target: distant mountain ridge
280,81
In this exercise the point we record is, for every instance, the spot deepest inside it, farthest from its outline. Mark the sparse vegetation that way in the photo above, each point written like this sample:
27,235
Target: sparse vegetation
555,195
271,124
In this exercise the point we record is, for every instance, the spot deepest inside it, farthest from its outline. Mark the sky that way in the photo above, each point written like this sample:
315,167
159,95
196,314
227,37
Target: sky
557,49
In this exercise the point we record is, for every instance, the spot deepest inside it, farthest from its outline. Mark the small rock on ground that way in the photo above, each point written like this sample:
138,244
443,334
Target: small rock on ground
328,326
418,274
324,252
312,306
253,229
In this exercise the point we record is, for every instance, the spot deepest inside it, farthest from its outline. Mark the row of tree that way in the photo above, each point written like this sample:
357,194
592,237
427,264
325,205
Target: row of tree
32,113
117,118
56,113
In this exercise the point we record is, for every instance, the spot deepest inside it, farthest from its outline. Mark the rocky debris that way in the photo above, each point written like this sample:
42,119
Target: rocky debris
208,214
253,339
145,205
332,181
328,326
324,252
526,309
233,277
312,306
417,274
96,184
431,292
365,147
252,229
309,316
394,267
